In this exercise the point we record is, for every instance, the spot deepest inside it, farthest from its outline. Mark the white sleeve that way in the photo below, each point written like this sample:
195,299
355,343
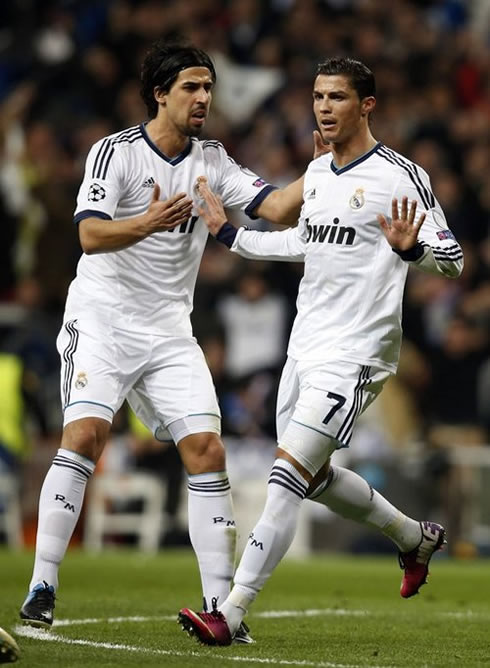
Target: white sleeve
437,250
287,245
237,186
100,190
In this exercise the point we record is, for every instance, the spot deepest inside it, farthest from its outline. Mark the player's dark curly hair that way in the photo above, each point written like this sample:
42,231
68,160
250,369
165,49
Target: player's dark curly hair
162,64
360,76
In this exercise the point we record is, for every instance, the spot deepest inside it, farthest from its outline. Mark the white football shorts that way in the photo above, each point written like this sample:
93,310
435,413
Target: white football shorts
318,404
166,380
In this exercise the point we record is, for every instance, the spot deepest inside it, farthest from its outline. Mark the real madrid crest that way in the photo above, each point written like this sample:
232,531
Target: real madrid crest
357,200
81,380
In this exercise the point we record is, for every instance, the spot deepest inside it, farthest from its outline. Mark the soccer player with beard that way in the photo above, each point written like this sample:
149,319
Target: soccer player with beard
357,234
126,331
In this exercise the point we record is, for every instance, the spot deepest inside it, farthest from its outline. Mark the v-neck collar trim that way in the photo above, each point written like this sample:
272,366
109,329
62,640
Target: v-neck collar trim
354,163
171,161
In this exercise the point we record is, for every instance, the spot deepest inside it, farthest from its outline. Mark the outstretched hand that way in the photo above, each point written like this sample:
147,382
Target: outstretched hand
213,212
166,214
402,232
320,148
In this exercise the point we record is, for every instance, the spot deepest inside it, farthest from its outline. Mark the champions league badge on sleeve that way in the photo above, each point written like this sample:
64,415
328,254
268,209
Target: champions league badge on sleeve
96,193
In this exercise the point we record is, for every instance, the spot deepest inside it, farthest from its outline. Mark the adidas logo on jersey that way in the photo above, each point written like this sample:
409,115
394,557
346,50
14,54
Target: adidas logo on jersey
311,194
330,234
149,183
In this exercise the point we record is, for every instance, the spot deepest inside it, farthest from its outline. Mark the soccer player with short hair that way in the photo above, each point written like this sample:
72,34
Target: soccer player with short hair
357,235
127,332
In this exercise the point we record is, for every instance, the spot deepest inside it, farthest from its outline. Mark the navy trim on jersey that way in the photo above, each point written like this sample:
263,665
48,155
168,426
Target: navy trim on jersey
354,163
227,234
106,150
257,200
450,253
91,213
154,147
427,197
212,143
447,254
412,254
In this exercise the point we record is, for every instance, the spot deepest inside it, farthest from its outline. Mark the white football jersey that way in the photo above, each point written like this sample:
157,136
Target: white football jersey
350,298
149,286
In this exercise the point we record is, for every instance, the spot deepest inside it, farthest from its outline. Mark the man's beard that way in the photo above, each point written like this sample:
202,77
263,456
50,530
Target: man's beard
194,132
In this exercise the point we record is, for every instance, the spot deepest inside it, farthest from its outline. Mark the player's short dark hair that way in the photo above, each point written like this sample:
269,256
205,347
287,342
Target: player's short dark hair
162,64
360,76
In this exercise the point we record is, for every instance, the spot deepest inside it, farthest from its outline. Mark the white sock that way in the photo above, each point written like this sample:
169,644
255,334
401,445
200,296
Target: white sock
60,503
350,496
268,542
212,532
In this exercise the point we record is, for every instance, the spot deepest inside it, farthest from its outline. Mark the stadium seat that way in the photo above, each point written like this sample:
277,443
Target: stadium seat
109,491
10,511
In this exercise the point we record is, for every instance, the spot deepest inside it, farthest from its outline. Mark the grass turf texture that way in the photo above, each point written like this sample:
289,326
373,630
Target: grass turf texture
357,617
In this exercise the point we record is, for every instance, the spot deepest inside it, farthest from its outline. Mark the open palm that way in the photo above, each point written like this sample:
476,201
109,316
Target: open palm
402,231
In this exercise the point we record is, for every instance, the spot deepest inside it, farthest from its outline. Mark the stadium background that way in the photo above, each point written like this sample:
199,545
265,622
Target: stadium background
69,75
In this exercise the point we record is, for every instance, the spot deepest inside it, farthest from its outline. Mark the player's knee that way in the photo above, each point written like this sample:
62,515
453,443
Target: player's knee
319,477
202,453
86,437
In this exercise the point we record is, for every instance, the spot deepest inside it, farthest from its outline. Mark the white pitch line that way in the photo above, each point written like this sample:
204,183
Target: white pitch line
466,614
336,612
113,620
47,636
269,614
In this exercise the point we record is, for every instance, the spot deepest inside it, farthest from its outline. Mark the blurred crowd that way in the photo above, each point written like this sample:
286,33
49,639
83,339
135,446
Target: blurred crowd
69,74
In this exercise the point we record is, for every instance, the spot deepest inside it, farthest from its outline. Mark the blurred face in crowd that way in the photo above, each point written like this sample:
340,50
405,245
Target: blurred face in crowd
339,112
186,104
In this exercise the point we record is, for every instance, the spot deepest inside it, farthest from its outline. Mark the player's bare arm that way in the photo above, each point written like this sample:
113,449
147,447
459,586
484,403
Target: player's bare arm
99,236
403,230
283,206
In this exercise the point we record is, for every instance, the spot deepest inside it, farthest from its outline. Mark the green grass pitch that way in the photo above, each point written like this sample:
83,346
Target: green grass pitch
119,608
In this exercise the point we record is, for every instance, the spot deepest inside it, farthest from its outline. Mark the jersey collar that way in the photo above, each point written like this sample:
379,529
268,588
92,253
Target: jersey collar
354,163
171,161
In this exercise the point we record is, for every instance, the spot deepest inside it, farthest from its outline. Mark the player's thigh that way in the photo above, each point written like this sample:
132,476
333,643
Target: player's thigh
287,396
98,366
331,398
176,397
